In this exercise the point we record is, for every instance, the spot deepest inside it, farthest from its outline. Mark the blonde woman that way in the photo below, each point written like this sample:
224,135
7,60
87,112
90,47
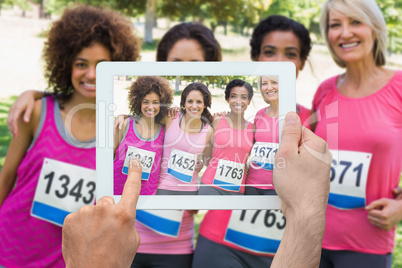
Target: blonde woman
360,116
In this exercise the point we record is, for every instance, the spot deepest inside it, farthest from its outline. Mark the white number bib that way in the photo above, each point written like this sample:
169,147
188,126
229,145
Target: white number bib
181,165
146,157
349,172
165,222
62,188
229,175
259,231
263,155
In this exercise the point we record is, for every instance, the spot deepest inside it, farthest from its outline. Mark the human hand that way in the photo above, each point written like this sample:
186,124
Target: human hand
302,170
173,112
246,168
104,235
192,212
301,179
397,193
385,213
221,114
25,103
199,166
119,122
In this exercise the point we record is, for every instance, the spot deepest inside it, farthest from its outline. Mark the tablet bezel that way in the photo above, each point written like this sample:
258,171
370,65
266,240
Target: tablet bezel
105,73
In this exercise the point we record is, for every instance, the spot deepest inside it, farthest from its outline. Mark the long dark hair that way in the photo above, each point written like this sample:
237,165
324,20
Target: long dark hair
191,31
206,116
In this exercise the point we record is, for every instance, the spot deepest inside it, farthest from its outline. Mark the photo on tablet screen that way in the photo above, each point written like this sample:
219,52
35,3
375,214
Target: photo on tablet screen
206,134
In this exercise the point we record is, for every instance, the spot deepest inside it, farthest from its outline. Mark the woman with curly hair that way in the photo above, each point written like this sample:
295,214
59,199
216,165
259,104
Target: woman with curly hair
142,136
49,169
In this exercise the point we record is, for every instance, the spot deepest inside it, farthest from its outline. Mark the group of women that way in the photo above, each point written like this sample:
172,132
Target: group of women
358,113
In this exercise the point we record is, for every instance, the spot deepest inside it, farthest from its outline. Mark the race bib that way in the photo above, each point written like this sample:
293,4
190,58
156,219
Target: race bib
181,165
349,173
229,175
263,155
146,157
164,222
62,188
259,231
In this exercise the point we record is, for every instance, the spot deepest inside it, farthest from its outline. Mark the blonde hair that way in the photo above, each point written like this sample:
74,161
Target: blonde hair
365,11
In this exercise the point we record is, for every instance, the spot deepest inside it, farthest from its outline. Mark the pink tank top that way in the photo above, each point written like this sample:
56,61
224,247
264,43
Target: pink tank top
152,242
233,145
267,131
134,139
215,225
176,139
27,241
357,129
304,115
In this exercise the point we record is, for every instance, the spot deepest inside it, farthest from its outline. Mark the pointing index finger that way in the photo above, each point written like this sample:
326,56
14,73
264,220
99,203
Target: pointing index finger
132,187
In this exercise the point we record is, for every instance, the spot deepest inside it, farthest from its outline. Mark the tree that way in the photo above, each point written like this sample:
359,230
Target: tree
150,18
392,11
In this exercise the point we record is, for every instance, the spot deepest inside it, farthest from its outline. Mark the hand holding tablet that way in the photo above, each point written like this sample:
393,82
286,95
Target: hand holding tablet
301,179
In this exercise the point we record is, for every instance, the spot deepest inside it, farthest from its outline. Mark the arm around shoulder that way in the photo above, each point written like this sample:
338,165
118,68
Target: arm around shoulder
17,150
119,134
23,105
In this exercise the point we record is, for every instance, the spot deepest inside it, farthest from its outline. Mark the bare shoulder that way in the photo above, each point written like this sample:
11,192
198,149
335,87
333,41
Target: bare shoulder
35,117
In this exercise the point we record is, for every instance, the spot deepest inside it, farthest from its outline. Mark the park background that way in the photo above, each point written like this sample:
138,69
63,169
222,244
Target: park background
24,23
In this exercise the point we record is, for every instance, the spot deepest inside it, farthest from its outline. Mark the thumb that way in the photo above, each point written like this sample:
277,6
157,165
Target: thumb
291,135
132,187
397,193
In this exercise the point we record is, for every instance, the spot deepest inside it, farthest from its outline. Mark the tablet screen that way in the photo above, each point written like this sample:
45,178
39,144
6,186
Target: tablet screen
218,149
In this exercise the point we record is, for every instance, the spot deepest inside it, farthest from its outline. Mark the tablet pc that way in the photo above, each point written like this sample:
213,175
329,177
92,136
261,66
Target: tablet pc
110,77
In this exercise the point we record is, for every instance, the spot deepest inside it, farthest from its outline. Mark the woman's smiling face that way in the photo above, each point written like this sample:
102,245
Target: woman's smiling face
350,39
194,104
269,89
281,46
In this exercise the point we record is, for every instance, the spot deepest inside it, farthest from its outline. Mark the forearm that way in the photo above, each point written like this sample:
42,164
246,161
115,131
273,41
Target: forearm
38,94
302,241
5,188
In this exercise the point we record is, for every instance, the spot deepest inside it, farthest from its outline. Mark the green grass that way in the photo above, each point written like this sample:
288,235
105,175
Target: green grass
197,221
146,47
5,138
397,256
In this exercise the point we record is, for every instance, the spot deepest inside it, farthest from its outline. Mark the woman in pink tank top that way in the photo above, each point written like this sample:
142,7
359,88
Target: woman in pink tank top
161,246
167,236
142,135
232,141
52,163
360,117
